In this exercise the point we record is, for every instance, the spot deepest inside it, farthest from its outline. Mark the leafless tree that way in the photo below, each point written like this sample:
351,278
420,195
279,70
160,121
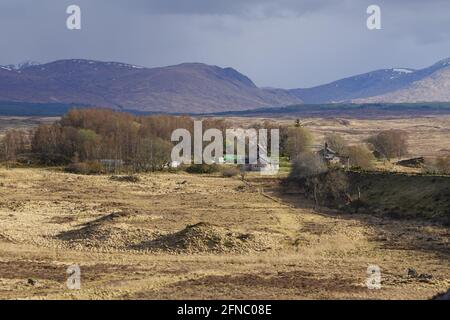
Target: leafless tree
360,157
308,164
390,143
14,143
299,140
336,142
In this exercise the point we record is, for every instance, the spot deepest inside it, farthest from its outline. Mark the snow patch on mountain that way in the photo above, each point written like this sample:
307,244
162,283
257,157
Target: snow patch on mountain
124,65
21,66
402,70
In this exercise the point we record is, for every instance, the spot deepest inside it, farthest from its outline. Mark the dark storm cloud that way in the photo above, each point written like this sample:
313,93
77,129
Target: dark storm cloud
285,43
246,7
229,7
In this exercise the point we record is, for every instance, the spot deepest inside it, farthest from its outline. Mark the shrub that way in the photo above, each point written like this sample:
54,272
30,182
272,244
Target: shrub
390,143
360,157
177,169
333,186
307,165
203,168
328,187
440,165
89,167
299,141
230,172
336,143
132,179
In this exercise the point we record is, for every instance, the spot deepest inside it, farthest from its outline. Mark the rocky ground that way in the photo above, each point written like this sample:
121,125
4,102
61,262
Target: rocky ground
183,236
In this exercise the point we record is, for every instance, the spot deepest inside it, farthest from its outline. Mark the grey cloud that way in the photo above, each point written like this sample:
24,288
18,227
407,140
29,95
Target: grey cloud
284,43
228,7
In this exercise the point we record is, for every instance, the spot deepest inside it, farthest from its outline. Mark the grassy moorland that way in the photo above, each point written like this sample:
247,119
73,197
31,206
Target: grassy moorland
348,110
205,236
185,236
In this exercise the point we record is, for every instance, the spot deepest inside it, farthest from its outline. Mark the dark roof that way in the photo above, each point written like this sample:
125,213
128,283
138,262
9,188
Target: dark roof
327,150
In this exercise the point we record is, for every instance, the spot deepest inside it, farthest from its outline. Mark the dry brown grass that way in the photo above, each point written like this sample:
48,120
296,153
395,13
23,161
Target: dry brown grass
428,136
22,123
280,247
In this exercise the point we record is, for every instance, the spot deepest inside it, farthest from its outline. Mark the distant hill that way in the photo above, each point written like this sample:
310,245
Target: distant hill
200,88
395,85
433,86
189,87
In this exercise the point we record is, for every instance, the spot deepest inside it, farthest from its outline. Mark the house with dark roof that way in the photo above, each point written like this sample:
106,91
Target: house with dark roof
329,156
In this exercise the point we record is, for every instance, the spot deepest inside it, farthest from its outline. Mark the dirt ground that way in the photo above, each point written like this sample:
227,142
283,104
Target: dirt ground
181,236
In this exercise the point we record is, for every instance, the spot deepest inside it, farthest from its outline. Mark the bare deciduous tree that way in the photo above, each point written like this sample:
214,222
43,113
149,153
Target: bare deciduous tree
14,143
307,164
299,140
336,142
390,143
360,157
93,135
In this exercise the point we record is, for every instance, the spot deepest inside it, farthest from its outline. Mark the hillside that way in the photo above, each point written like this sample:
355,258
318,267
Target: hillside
200,88
363,85
189,87
433,88
410,196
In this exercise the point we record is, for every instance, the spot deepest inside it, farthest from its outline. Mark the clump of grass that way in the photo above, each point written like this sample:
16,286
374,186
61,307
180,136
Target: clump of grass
130,178
230,172
88,168
203,168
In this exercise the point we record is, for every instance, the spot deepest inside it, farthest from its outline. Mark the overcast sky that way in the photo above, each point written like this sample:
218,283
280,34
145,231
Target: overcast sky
283,43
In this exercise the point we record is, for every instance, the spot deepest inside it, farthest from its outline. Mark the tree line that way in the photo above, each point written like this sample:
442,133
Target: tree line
85,137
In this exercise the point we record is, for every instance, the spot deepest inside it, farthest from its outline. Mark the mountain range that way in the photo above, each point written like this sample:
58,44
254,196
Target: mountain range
201,88
397,85
188,87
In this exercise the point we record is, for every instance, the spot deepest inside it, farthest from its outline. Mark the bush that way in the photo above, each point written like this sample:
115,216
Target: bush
329,188
230,172
203,168
360,157
308,165
132,179
390,143
333,186
181,167
336,143
299,141
89,167
440,165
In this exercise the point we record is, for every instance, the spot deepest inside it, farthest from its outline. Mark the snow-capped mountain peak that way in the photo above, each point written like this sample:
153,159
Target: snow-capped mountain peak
444,62
21,66
403,70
